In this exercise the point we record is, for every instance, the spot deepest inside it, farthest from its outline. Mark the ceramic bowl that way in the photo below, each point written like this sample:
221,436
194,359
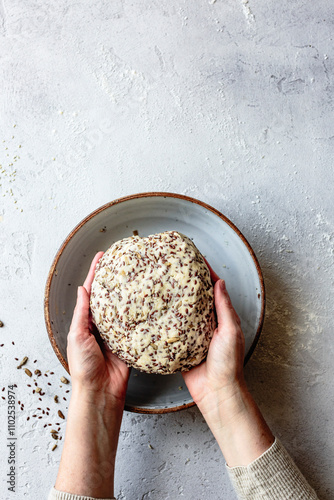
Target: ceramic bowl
217,238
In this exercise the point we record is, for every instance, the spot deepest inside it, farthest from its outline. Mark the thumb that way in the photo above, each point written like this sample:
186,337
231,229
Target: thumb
226,314
80,320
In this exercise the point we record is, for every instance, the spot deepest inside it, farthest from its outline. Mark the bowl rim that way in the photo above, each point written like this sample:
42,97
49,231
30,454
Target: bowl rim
149,194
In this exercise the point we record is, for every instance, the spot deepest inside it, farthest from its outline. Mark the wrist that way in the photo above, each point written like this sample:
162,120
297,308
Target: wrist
238,425
98,417
101,401
222,407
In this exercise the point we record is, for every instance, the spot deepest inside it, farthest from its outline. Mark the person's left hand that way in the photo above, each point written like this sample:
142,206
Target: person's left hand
92,365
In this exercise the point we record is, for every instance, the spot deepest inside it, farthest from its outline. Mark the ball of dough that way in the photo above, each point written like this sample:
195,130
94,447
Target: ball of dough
152,302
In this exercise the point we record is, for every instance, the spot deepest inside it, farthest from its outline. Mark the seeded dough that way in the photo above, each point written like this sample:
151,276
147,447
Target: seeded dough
152,302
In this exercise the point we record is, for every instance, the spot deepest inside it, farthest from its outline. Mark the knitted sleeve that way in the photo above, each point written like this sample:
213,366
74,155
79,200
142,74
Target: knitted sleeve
272,476
62,495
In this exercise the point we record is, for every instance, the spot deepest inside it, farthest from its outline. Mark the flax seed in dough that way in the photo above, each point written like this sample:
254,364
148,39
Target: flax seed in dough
152,302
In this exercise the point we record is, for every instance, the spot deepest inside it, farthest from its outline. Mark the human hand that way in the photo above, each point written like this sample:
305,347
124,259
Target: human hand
220,376
219,390
92,365
99,382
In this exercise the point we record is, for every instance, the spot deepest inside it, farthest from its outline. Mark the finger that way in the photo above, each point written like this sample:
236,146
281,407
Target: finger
90,276
80,320
214,276
226,314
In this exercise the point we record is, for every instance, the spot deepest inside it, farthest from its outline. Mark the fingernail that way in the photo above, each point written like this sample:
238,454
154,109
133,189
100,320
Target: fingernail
222,285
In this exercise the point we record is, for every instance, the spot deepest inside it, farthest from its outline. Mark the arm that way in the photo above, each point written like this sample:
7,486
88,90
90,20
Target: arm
99,381
220,392
88,459
258,464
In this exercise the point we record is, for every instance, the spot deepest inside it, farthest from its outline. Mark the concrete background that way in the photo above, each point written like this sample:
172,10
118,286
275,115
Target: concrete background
227,101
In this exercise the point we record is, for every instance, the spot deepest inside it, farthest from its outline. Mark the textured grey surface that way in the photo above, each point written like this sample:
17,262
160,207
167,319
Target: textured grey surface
227,101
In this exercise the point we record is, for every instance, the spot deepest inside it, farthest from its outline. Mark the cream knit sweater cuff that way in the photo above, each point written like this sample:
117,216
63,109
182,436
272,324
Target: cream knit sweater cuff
62,495
272,476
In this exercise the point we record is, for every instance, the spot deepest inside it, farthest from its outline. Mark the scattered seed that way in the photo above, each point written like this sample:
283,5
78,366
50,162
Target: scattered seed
64,380
172,339
38,372
55,399
54,447
61,415
38,389
23,362
1,324
28,372
135,232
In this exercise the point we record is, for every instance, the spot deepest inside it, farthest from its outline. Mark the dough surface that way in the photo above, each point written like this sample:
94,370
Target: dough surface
152,302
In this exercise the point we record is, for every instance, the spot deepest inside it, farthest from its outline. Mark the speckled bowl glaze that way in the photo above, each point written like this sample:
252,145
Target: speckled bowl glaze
217,238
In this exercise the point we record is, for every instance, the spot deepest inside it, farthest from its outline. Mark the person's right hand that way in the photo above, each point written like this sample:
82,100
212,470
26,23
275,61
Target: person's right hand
221,374
219,389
